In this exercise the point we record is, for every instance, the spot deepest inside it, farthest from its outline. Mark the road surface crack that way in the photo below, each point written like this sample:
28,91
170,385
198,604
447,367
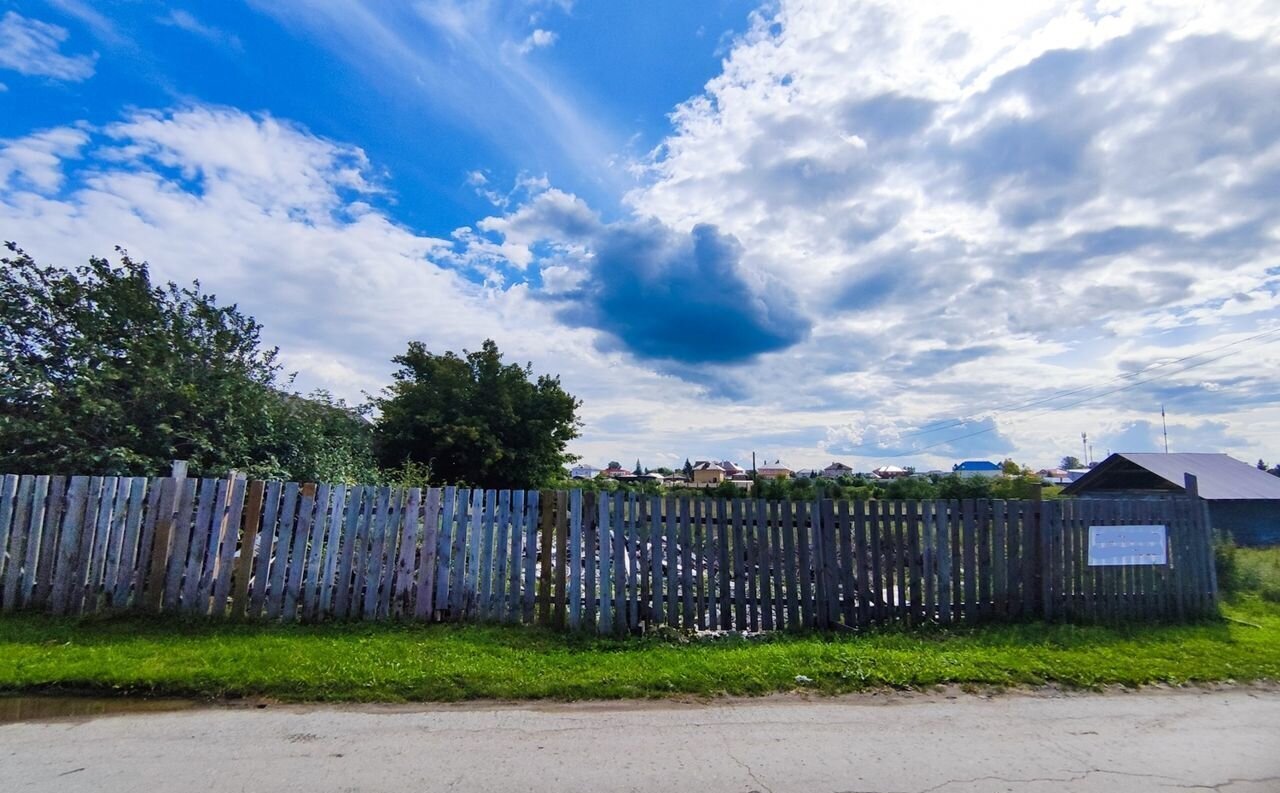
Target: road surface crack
729,753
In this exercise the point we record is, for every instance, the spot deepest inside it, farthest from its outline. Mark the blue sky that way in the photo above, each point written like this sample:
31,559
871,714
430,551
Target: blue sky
874,232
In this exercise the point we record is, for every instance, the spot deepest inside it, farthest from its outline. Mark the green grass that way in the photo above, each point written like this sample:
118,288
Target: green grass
406,662
394,662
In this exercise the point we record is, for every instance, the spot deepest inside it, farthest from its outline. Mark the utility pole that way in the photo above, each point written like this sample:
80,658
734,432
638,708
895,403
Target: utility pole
753,462
1165,425
1084,444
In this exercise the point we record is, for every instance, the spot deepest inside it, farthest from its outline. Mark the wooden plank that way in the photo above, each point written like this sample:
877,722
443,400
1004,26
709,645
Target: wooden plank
266,546
847,564
19,535
862,563
481,505
634,561
248,543
227,548
942,536
687,557
751,568
765,561
458,551
605,557
209,568
35,537
130,507
69,543
621,562
84,553
407,557
391,550
502,532
116,540
875,544
929,561
317,548
186,559
547,527
573,558
515,558
185,542
900,560
738,564
804,539
560,560
722,580
373,553
363,546
671,555
38,597
146,540
915,561
778,558
335,550
999,558
283,543
425,580
969,545
654,550
8,498
484,586
304,520
159,555
982,517
531,540
95,569
444,547
589,556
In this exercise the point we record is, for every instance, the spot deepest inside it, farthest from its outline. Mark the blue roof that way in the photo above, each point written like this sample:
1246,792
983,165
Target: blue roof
976,465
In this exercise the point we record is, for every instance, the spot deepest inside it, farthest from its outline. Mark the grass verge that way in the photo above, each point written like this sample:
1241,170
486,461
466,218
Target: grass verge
394,662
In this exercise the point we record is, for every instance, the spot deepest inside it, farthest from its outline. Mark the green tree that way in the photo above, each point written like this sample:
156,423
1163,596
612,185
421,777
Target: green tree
1071,463
1262,466
476,420
1010,468
638,470
103,372
688,468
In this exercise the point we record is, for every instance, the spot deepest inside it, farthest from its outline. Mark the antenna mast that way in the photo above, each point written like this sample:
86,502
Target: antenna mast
1165,425
1084,443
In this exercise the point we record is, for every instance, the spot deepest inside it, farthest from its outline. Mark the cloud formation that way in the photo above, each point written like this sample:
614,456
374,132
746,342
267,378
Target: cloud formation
34,48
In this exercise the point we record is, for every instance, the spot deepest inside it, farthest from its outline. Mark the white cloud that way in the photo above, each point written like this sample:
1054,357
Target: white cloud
33,48
537,39
185,20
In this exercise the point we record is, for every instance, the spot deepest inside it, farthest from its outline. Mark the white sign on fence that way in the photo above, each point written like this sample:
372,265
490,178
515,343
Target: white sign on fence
1117,545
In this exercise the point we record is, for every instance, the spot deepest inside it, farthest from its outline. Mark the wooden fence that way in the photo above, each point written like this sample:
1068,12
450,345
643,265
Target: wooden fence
608,562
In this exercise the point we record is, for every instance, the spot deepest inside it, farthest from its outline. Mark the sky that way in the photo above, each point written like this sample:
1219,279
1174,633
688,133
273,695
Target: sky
875,232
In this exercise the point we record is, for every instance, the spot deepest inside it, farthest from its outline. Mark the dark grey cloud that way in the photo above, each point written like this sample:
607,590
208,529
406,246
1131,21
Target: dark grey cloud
686,298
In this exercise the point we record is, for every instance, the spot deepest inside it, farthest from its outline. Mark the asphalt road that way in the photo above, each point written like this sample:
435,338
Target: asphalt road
1224,740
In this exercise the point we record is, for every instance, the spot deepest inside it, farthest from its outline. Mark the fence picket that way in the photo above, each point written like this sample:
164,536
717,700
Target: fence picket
424,605
444,548
19,533
285,530
497,605
42,582
531,540
410,534
248,544
335,551
227,547
547,521
590,555
8,497
314,560
266,542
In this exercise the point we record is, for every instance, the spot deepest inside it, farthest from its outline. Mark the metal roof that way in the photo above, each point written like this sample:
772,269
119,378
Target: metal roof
977,465
1219,477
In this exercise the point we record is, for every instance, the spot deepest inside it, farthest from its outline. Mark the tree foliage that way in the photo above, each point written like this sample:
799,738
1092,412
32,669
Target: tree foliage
1071,463
475,420
104,372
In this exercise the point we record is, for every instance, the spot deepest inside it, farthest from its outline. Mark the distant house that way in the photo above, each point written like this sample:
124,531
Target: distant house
890,472
836,470
732,469
1241,499
774,470
707,473
583,472
970,468
1054,476
615,471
